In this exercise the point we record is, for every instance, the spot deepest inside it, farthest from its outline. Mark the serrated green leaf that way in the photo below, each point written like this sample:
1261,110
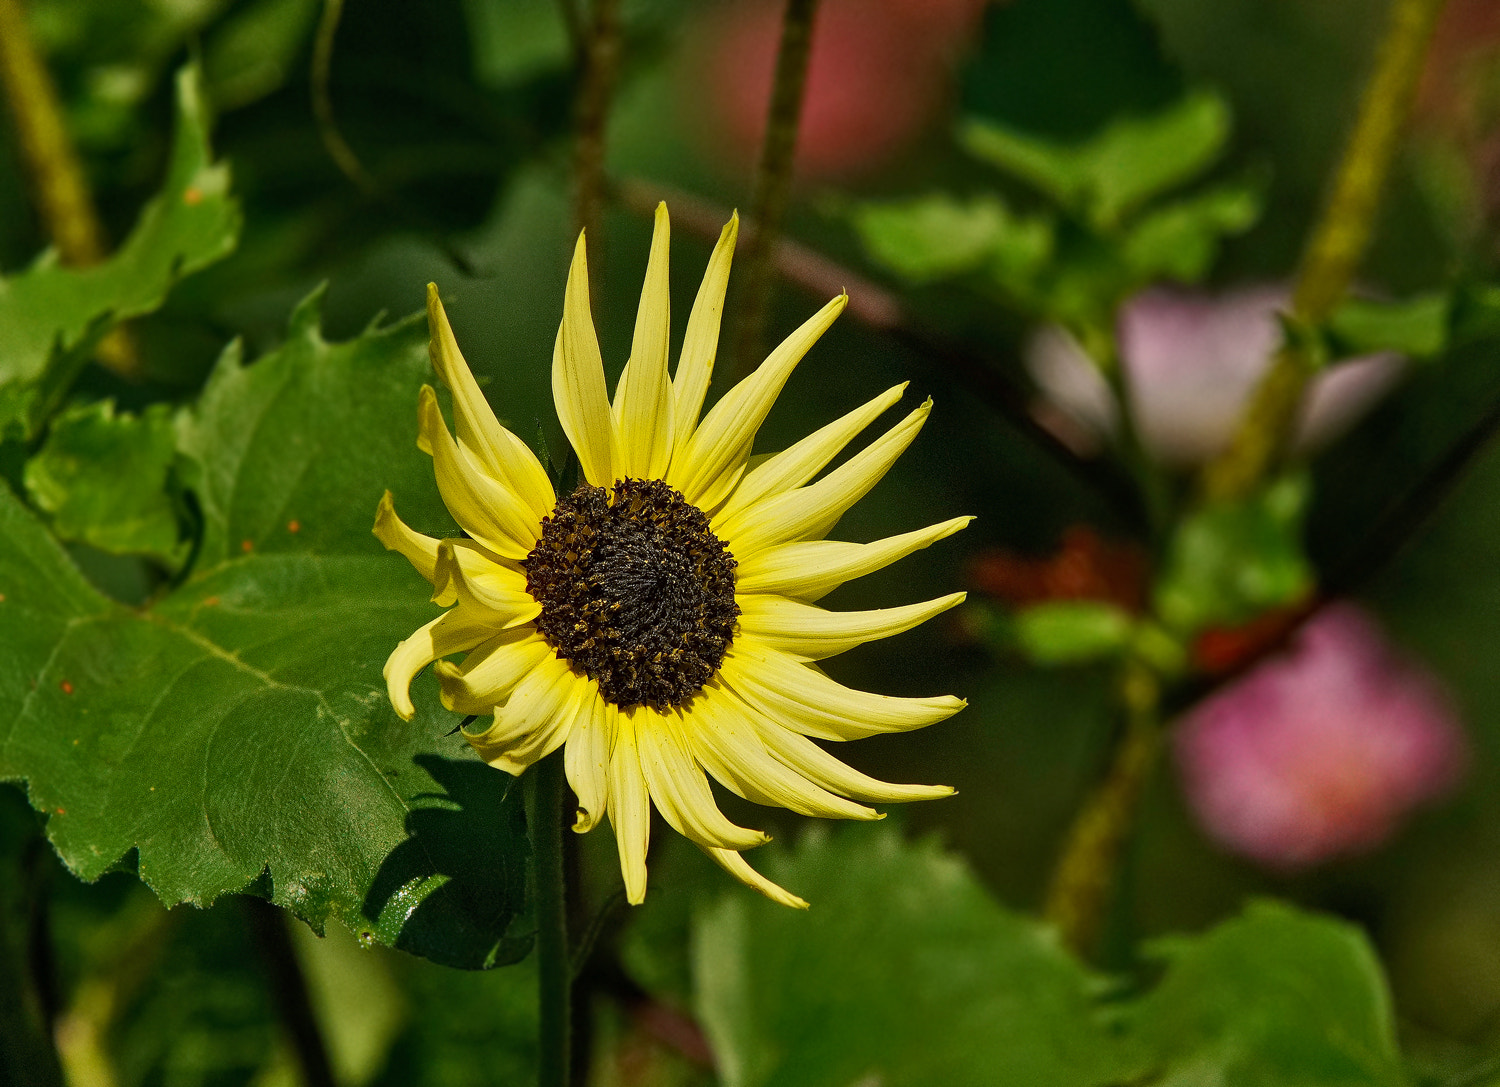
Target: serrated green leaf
1275,998
240,724
903,973
103,478
50,316
1129,162
937,236
1228,563
1072,631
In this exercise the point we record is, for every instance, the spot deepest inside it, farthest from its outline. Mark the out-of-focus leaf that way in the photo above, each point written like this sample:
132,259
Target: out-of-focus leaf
1072,631
1416,327
1274,998
255,49
103,479
1180,240
239,725
1227,563
904,973
49,314
516,40
1129,162
937,236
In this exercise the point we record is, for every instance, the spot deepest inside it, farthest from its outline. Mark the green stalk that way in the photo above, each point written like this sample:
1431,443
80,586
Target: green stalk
544,816
1334,250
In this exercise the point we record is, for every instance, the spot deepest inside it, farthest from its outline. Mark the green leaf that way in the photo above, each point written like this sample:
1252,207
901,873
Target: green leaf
937,236
1416,327
1180,240
239,725
1275,998
103,478
1228,563
1129,162
904,972
51,316
1072,631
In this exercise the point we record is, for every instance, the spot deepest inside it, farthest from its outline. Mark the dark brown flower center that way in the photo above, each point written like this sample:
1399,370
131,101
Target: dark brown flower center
636,591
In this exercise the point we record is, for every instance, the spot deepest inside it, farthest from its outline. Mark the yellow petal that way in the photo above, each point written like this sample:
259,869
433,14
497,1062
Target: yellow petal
809,512
725,738
816,765
806,701
643,402
586,760
810,569
578,379
466,571
701,343
484,507
417,549
740,869
629,810
534,720
712,463
487,675
504,455
678,787
452,632
795,466
809,632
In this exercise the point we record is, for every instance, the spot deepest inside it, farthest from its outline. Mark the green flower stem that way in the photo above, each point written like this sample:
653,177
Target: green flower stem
773,182
288,987
1083,881
544,817
28,1057
601,63
1334,250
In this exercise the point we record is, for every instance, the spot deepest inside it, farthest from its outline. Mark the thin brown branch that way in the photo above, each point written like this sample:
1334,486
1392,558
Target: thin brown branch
773,182
601,62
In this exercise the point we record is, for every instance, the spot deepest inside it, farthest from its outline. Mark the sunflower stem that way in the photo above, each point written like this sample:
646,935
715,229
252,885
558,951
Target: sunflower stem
1083,881
544,815
773,182
1335,247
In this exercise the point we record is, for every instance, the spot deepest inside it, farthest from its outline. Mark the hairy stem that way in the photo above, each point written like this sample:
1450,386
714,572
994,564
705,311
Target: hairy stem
544,817
1334,250
268,927
1083,881
773,181
601,63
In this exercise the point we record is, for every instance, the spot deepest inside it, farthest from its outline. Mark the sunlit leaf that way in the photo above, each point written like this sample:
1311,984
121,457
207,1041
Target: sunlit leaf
239,724
937,236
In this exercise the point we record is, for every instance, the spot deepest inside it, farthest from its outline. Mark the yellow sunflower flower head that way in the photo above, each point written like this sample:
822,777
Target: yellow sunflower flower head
661,620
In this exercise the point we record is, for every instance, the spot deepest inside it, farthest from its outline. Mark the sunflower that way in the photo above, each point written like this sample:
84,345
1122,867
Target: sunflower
660,620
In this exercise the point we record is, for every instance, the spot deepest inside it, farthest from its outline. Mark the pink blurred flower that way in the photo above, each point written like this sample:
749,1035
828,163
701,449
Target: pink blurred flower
1320,751
1192,361
878,72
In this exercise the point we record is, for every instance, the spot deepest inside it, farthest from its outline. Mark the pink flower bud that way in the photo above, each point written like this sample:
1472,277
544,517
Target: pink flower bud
1319,751
1192,360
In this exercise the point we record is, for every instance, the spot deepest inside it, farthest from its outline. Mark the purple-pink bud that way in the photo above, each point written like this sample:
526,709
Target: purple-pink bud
1319,751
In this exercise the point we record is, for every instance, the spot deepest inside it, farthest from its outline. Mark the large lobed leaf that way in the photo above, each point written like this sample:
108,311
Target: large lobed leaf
906,972
239,725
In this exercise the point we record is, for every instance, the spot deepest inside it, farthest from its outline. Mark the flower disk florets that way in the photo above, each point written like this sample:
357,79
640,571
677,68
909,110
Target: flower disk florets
636,592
